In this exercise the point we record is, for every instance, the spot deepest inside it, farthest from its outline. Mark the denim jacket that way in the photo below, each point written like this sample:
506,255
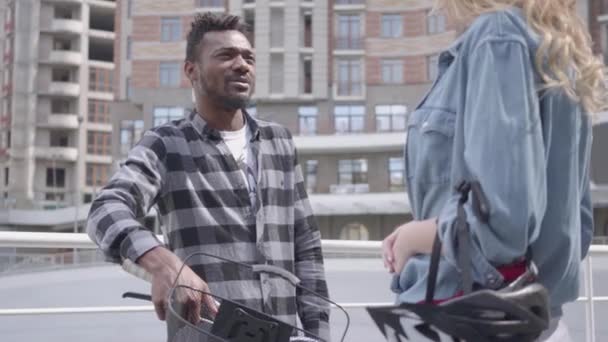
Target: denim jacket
487,118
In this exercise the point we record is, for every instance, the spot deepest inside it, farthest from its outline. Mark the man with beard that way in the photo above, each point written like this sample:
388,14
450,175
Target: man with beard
225,184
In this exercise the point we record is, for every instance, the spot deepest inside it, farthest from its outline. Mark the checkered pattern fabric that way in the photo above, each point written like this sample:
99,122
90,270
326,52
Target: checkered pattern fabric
186,169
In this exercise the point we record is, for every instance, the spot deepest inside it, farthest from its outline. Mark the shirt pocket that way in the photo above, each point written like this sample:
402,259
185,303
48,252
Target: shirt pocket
430,140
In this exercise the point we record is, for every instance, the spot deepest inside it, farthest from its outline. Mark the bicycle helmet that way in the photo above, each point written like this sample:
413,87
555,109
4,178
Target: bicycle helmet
517,313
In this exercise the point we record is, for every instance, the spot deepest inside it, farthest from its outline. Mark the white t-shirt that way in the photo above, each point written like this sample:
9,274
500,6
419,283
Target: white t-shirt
238,144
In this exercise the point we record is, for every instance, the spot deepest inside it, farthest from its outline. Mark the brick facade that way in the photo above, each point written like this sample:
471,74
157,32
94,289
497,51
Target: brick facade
146,28
414,23
372,24
146,74
415,69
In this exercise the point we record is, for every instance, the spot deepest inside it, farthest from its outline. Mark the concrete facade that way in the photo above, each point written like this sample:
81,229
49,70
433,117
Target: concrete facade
59,90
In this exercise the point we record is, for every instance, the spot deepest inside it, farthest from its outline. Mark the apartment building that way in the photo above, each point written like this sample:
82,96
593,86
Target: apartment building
57,83
342,75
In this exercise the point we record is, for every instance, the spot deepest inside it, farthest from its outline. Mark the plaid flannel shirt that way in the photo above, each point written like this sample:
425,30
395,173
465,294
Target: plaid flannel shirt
186,169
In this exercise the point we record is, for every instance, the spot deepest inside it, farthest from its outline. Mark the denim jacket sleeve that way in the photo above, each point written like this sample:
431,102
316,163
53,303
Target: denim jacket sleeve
499,127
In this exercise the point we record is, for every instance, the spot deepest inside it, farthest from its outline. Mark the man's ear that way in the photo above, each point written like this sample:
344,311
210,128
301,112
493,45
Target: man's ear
191,71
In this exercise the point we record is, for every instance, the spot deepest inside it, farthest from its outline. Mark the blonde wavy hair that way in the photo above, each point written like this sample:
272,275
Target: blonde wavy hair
564,58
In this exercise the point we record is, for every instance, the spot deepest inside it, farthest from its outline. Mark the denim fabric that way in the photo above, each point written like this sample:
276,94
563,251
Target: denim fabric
487,118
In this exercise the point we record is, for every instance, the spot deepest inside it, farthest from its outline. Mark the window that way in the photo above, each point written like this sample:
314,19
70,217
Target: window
170,29
166,114
211,3
99,111
307,118
307,75
277,74
51,196
436,23
129,8
97,174
311,175
55,177
390,118
62,44
130,133
433,67
169,74
354,231
249,18
348,35
129,47
99,143
277,28
60,106
352,171
392,71
306,38
87,198
396,169
6,175
101,79
349,119
59,139
349,77
391,25
63,12
128,89
61,75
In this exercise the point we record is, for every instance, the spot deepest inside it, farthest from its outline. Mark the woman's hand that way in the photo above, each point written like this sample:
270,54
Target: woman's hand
414,237
388,255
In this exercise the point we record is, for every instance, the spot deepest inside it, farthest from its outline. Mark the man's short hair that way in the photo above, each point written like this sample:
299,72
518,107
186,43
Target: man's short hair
209,22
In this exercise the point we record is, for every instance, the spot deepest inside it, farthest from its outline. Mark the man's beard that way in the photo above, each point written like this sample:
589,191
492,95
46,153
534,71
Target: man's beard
232,102
227,102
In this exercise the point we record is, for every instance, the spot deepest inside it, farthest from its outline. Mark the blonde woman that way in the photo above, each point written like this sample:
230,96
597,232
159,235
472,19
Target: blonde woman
510,110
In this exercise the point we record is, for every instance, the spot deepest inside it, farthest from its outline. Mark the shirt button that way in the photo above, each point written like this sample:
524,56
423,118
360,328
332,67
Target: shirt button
426,123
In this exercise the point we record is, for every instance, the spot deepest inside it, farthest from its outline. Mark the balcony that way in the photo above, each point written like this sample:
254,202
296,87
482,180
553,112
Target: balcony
98,159
64,89
102,34
67,26
106,4
65,57
66,121
349,5
65,154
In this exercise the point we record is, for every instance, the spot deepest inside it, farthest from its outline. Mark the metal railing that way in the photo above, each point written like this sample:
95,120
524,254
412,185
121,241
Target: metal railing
330,247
